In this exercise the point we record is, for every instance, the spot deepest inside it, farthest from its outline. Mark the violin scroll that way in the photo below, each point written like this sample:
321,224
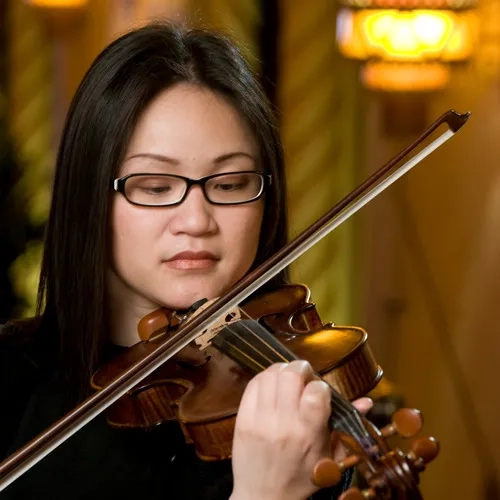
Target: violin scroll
389,475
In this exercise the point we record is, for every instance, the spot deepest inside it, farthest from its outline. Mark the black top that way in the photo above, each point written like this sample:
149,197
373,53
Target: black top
98,461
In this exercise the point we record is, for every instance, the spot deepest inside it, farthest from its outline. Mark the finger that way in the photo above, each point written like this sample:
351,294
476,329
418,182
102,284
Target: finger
334,439
281,386
290,387
277,367
303,368
363,405
292,377
269,387
338,447
315,406
267,391
248,405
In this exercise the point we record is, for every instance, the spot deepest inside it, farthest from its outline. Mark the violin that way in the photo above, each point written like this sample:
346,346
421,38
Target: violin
202,385
193,367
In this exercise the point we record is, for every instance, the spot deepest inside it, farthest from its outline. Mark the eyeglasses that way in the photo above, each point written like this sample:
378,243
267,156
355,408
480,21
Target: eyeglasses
162,190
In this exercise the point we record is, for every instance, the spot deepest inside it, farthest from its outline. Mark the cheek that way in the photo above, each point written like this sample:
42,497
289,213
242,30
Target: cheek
132,230
242,234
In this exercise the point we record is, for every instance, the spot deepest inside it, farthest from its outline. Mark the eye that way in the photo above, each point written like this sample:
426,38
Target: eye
156,189
231,182
229,186
152,185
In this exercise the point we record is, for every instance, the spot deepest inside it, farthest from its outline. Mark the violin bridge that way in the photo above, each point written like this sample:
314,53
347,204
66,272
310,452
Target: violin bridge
205,338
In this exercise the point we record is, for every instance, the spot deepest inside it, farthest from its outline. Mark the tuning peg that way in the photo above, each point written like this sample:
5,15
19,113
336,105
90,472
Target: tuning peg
327,472
423,451
407,422
356,494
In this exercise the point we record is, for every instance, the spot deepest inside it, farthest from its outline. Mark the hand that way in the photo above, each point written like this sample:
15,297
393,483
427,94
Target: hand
281,432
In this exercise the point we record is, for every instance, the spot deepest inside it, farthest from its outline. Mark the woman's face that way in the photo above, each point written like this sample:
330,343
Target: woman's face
192,132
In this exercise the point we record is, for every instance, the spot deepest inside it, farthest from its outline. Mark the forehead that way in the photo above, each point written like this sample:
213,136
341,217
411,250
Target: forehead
190,122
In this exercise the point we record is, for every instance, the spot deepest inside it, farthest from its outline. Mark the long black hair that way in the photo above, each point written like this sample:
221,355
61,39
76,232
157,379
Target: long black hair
121,82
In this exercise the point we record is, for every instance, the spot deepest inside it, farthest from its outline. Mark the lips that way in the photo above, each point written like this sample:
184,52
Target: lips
192,260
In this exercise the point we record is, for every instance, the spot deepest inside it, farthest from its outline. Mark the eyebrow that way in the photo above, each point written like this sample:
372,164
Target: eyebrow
173,161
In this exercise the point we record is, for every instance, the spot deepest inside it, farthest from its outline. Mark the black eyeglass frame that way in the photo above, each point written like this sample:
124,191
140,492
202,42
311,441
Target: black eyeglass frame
119,186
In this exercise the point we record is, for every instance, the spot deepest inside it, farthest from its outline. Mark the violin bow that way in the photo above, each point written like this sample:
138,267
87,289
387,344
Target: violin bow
34,451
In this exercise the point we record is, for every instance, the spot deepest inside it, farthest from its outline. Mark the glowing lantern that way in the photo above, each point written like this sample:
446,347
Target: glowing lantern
406,46
58,4
60,16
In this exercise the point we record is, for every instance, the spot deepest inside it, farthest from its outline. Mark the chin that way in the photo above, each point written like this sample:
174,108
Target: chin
183,301
191,289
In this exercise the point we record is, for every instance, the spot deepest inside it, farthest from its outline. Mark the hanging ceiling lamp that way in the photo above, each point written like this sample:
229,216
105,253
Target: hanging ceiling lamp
58,4
406,45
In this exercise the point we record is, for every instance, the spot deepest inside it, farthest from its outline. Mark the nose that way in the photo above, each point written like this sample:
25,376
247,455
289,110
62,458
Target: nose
194,216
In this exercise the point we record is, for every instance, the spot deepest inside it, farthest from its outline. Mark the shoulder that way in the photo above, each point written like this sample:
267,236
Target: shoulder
26,354
16,333
19,346
22,363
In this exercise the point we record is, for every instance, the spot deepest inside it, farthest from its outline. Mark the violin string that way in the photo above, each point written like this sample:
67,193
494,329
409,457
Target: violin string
343,408
245,355
348,414
345,404
270,360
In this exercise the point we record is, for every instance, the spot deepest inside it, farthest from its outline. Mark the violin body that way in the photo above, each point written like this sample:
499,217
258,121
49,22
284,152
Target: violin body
202,389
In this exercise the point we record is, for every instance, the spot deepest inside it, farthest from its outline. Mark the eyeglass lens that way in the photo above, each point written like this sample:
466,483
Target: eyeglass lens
165,190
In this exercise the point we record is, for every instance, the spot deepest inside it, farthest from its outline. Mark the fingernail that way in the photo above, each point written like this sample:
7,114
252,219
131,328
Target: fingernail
320,384
277,367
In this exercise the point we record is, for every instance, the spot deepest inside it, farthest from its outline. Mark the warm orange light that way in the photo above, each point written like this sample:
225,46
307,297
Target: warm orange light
410,4
414,35
405,77
408,34
58,4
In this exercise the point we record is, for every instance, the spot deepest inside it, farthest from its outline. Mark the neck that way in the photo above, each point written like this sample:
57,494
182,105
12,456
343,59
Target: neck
123,324
125,312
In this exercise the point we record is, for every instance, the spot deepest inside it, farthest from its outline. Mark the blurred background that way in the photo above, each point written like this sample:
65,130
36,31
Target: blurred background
353,82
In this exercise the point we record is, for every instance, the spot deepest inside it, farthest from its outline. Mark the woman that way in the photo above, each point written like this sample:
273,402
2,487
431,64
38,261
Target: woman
169,188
